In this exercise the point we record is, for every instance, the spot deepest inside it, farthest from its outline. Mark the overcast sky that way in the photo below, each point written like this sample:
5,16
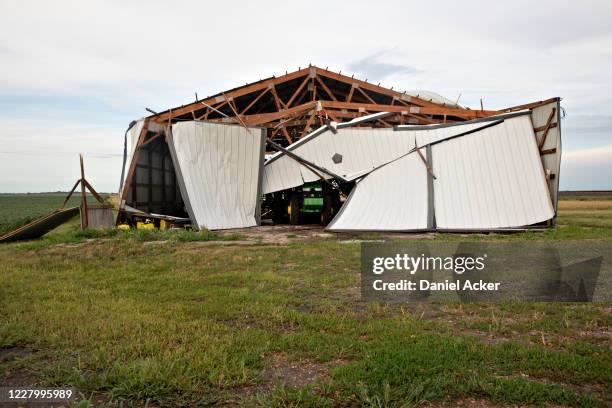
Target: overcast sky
73,74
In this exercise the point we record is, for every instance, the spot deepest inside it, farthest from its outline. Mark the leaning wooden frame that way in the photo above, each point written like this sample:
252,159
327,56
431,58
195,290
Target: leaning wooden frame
98,213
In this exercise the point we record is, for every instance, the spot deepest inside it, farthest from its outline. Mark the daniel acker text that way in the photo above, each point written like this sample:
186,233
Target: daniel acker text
411,264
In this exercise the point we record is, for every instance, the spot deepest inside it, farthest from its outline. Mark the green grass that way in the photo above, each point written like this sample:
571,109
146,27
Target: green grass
71,233
179,318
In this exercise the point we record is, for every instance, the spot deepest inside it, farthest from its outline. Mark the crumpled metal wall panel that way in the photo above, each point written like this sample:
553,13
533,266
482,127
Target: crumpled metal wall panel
283,174
491,179
391,198
361,149
485,180
219,167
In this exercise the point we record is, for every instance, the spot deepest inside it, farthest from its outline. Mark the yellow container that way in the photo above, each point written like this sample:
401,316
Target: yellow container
145,225
123,227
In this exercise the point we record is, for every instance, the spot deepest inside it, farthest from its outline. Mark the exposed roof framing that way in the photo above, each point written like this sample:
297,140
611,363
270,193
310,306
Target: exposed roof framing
292,104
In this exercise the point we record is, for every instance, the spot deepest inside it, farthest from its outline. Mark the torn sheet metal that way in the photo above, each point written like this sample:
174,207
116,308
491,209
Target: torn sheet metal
550,150
360,149
219,168
426,134
486,179
392,198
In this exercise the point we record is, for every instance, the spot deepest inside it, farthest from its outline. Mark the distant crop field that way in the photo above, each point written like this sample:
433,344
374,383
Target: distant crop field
585,196
19,209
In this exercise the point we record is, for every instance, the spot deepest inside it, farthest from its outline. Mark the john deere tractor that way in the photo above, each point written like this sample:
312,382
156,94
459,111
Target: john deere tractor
312,202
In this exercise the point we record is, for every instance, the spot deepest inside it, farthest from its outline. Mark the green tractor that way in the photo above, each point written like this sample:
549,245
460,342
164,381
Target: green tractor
314,202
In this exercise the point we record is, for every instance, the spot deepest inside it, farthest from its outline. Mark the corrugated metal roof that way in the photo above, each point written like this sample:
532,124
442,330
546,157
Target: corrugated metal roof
219,168
433,97
491,178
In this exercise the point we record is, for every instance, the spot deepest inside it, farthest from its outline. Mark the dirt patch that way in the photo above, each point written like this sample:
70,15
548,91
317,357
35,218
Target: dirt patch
20,378
64,245
482,336
196,245
279,234
149,243
280,370
284,234
11,353
383,236
467,402
17,376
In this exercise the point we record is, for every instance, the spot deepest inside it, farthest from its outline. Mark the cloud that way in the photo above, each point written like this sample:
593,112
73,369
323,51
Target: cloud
586,130
593,156
375,70
85,69
541,24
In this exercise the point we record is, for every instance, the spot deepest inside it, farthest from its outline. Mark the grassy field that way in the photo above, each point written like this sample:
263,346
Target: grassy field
187,319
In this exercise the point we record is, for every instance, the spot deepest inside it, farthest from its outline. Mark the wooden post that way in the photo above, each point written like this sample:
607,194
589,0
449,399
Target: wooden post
547,128
70,194
84,219
150,179
165,151
128,181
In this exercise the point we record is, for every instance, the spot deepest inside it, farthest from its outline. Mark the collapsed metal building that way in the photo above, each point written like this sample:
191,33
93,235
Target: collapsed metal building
361,156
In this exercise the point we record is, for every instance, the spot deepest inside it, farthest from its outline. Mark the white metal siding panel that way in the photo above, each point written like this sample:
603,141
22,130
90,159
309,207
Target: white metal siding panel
218,167
358,147
392,198
552,162
428,136
361,149
490,179
282,174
